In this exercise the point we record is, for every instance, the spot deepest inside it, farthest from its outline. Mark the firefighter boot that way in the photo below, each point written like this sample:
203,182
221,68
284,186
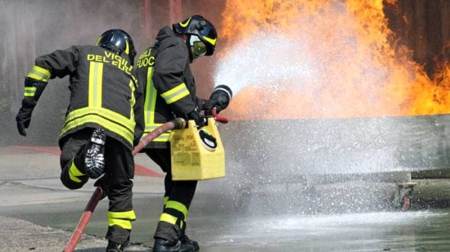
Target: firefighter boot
167,238
95,159
116,247
118,239
188,245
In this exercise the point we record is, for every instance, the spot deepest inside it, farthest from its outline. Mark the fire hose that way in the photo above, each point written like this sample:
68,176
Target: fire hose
178,123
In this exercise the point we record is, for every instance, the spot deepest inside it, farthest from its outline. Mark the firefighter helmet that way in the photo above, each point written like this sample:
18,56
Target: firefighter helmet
200,27
118,41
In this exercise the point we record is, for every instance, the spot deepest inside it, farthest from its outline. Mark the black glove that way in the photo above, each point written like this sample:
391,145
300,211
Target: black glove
199,119
220,98
23,119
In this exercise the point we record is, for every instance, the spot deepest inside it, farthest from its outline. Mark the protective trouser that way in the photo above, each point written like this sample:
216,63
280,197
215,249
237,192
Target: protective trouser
116,182
178,194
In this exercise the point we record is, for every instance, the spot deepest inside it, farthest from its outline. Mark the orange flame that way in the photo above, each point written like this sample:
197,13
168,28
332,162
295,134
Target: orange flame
357,72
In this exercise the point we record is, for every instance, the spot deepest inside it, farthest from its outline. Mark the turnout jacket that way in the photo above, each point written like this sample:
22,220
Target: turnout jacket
166,85
102,89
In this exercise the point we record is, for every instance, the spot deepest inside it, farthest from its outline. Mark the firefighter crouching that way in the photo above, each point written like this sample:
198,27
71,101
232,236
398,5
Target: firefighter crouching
169,91
97,137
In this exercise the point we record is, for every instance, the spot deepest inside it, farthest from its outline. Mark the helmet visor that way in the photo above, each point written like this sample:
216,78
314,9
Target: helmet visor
198,47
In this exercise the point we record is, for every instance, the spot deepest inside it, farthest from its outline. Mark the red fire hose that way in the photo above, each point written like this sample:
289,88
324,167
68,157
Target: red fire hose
84,220
177,123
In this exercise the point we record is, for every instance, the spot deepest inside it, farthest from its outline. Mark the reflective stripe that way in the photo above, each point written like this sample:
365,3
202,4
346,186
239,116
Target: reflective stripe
107,124
165,199
95,84
149,109
179,207
168,218
39,73
185,24
114,116
127,47
29,91
74,173
108,119
176,93
125,224
132,99
121,219
210,40
150,99
128,215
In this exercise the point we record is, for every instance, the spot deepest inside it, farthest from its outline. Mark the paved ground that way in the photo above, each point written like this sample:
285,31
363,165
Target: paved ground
37,213
20,235
30,181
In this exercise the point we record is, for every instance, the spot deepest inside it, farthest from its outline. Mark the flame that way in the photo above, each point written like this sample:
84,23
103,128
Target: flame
356,72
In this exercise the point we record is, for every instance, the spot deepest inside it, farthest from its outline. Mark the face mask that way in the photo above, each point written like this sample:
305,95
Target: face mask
198,48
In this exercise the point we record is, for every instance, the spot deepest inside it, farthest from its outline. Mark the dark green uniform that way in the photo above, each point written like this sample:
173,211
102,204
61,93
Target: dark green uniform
168,91
102,96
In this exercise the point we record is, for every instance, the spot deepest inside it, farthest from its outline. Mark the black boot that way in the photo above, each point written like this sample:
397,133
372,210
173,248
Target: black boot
167,238
188,245
163,245
95,159
116,247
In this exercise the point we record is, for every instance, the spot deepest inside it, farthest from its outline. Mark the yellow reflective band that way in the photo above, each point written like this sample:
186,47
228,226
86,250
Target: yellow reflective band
168,218
179,207
121,219
107,124
150,98
210,40
185,24
113,116
165,199
125,224
95,84
128,215
29,91
39,73
175,93
132,99
74,173
127,48
151,95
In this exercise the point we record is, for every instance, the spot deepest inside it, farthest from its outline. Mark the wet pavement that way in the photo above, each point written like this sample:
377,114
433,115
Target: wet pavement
30,192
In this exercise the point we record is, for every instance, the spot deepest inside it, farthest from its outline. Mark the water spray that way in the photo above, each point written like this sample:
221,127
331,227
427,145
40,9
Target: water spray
265,60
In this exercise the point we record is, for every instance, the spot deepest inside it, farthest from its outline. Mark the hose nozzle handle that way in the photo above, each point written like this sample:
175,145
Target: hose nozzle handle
217,117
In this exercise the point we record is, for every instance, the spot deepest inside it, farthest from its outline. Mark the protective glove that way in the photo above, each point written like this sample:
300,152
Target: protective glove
199,119
23,117
220,99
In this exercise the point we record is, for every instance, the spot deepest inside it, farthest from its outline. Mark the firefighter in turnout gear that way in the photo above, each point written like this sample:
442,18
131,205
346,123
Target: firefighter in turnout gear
97,137
169,91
